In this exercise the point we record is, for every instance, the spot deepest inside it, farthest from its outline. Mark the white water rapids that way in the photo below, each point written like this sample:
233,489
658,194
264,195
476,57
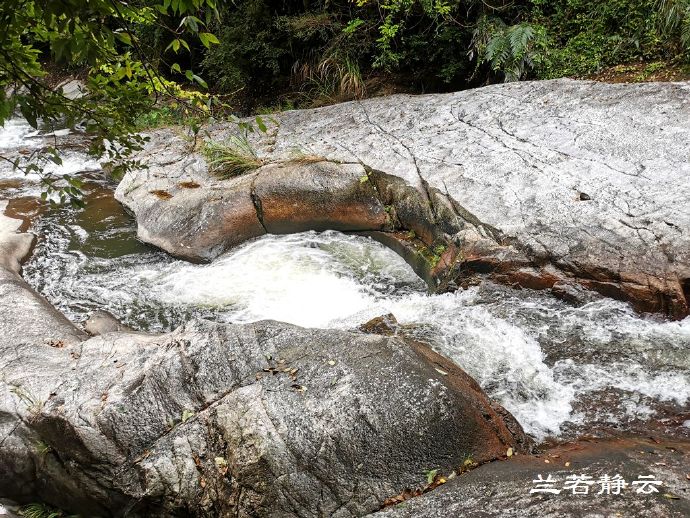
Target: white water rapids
560,369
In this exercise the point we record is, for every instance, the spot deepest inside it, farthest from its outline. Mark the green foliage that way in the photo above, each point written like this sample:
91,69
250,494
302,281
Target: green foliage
674,20
431,476
585,36
509,50
37,510
327,52
96,36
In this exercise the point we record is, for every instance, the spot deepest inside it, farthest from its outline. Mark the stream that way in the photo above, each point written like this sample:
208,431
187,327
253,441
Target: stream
562,370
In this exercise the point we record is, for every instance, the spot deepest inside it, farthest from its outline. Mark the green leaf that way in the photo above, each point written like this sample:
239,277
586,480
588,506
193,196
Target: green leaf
199,81
123,37
176,68
353,25
260,123
208,39
431,475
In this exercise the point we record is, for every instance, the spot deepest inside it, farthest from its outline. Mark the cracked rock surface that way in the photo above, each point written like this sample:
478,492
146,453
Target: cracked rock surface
542,184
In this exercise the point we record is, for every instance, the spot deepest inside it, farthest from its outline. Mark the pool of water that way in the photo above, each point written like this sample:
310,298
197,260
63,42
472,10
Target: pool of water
562,370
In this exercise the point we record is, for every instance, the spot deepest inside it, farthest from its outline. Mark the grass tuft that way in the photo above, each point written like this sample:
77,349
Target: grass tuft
231,158
298,156
40,511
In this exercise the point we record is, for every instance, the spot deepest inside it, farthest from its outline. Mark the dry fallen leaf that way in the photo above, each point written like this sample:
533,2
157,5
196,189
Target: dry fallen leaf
671,496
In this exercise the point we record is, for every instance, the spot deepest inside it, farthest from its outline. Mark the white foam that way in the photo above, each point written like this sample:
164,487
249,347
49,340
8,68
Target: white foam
295,279
16,133
332,280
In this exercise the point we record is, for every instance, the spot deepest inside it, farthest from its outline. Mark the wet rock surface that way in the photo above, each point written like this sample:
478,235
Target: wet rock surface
502,489
546,184
26,316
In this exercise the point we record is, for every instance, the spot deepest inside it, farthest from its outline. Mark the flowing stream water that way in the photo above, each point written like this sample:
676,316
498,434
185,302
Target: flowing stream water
562,370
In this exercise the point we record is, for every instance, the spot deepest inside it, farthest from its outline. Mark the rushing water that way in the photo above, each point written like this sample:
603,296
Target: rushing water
561,370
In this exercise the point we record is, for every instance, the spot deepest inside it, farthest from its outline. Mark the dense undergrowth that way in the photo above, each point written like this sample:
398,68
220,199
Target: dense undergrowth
150,63
282,54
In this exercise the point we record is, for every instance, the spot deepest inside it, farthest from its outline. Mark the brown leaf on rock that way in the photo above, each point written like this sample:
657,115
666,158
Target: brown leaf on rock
160,193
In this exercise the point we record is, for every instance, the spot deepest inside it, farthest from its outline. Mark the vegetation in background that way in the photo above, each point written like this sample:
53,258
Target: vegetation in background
312,53
148,63
123,79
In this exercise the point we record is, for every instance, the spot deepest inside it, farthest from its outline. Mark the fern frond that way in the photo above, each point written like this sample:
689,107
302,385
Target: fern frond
520,37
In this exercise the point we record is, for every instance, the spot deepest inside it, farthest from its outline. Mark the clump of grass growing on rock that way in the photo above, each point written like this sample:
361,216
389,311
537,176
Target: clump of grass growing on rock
37,510
231,158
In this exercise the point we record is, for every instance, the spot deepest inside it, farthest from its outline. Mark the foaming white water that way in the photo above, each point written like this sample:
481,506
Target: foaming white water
16,133
504,359
326,280
19,140
537,356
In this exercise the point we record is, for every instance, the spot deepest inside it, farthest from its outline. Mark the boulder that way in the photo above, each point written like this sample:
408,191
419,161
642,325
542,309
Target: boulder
101,322
560,183
263,419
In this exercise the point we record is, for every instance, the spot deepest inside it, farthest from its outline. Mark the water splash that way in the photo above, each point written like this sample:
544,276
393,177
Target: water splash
536,355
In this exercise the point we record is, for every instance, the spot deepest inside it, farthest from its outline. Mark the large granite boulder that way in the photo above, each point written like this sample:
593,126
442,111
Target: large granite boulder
539,184
264,419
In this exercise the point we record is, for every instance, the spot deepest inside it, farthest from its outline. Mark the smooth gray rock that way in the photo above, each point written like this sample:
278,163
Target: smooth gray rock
101,322
584,182
72,88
